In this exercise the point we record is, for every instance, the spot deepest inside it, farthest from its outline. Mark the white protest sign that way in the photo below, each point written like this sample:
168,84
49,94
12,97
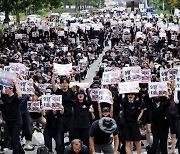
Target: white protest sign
177,82
146,75
60,33
128,87
43,87
33,106
161,34
132,73
107,69
93,92
18,68
26,86
110,77
64,49
168,74
18,36
63,69
51,102
79,84
72,40
105,95
82,64
157,89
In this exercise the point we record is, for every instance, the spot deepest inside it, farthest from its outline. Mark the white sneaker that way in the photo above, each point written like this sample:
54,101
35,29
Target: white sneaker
28,147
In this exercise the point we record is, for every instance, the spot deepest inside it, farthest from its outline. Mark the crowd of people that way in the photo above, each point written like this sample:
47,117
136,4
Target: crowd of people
138,42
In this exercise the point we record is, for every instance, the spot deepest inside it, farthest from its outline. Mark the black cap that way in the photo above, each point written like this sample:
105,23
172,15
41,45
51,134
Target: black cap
105,109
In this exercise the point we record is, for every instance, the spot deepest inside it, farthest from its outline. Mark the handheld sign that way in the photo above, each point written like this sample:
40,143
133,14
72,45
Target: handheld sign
105,95
33,106
26,86
157,89
110,77
146,75
63,69
128,87
93,92
177,82
51,102
6,78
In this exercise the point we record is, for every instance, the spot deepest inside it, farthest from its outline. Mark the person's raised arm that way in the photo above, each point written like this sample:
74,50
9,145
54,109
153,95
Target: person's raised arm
18,90
54,87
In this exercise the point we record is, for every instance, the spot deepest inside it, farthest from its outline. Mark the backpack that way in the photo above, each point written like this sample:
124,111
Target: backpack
43,150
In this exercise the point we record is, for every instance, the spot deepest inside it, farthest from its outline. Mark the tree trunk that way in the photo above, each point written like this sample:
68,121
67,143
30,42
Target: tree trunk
7,16
17,17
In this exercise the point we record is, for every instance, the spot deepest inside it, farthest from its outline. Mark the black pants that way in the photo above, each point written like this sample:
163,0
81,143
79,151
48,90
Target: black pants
26,127
57,136
82,134
160,133
14,128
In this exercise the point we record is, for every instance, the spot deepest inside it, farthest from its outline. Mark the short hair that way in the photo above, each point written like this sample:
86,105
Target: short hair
75,141
64,78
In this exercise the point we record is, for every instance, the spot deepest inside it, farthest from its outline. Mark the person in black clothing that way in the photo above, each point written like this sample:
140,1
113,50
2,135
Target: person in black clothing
133,111
76,147
100,136
159,127
81,118
53,129
12,115
147,115
67,99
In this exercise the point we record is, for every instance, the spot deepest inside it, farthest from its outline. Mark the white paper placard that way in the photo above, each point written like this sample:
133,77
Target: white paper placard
33,106
128,87
93,92
111,77
63,69
157,89
51,102
26,86
105,95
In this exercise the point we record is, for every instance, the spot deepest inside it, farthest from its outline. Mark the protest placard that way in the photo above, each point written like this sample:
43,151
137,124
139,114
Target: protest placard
177,82
128,87
173,37
105,95
26,86
111,77
63,69
43,87
168,74
146,75
157,89
18,36
132,73
82,64
60,33
93,92
33,106
79,84
72,40
107,69
6,78
51,102
18,68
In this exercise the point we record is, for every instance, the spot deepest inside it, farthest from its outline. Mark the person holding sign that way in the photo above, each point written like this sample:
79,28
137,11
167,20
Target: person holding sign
12,115
160,126
67,97
81,118
133,111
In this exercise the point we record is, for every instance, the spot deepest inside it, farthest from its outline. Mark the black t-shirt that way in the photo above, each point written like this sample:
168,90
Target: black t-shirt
131,110
11,107
81,118
67,98
100,137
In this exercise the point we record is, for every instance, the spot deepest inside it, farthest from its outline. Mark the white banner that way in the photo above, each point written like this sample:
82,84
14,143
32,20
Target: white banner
128,87
157,89
105,95
63,69
51,102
